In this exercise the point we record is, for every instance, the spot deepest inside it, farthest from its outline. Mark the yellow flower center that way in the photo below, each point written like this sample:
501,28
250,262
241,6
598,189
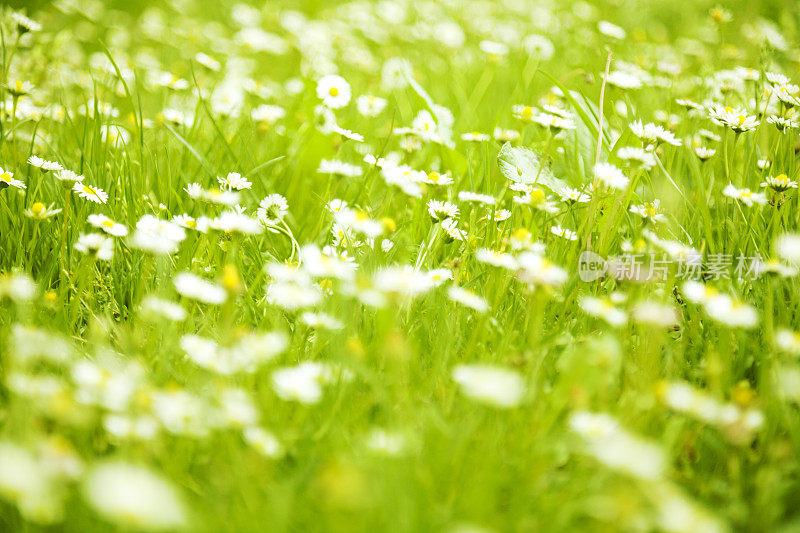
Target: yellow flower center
89,190
18,85
527,113
389,224
333,91
230,277
5,176
108,223
521,234
37,208
537,196
741,119
191,224
434,177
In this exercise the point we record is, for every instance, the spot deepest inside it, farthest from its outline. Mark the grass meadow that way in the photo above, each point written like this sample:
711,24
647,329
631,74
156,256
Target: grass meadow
457,266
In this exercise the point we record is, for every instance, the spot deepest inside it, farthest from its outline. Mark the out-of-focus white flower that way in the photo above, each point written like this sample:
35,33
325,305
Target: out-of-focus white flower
492,385
134,497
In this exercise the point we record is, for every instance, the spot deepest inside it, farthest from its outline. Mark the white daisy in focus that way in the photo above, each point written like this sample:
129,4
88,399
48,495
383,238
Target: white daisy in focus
7,180
334,91
43,164
87,192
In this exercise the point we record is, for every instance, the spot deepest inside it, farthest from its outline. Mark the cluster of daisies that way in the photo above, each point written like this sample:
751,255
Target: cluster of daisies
377,205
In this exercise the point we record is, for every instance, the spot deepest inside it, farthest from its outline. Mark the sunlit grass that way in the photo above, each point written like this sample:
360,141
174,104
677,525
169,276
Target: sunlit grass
404,266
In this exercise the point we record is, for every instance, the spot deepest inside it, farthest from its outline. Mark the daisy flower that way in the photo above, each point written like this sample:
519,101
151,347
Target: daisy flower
468,299
537,270
611,176
93,194
107,225
234,181
746,196
133,497
779,183
301,383
370,106
475,136
153,305
611,30
468,196
263,441
655,314
334,91
95,244
266,115
502,135
68,178
157,236
554,122
630,153
43,164
565,233
788,340
649,211
605,309
339,168
731,311
24,24
450,226
38,211
524,112
321,321
439,210
703,153
19,88
207,61
189,222
494,386
496,258
653,133
196,288
736,119
434,178
232,221
624,80
782,123
787,247
272,209
499,216
221,197
7,180
573,196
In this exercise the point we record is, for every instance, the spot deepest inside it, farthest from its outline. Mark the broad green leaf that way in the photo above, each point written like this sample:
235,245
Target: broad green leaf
523,165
